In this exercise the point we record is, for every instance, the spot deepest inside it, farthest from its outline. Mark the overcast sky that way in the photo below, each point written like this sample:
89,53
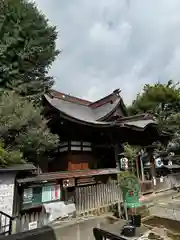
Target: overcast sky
109,44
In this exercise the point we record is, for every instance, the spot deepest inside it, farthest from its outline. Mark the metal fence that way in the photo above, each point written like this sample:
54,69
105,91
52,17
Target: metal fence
5,224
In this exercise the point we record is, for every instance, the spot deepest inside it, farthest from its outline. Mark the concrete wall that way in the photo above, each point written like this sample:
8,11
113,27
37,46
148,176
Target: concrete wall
45,233
169,211
7,192
82,230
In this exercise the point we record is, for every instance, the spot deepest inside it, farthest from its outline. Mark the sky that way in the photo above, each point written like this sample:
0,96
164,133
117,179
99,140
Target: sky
110,44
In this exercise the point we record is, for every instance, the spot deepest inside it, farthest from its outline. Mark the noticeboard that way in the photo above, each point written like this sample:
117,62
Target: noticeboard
37,195
28,195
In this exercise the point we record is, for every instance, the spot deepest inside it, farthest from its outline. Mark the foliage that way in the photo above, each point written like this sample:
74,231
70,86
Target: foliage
124,174
23,128
8,157
160,99
130,151
127,180
27,50
27,44
163,101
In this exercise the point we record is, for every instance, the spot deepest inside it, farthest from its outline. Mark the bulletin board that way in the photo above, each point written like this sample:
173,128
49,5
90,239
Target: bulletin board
34,196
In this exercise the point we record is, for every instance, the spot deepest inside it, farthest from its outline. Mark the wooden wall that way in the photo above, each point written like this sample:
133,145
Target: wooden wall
96,197
80,161
70,161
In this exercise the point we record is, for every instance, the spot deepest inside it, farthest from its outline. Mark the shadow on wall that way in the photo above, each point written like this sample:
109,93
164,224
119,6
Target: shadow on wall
45,233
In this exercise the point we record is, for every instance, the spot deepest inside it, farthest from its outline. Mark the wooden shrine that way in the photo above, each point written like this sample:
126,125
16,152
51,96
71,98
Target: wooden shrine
92,134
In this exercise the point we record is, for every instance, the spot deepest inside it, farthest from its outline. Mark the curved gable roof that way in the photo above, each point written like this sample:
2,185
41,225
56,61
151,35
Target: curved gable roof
82,112
85,112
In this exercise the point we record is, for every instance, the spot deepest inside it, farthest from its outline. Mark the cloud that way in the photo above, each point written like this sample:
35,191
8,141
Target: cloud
109,44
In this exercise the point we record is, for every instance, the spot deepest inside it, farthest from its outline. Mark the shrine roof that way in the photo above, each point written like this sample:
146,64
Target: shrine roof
88,112
68,97
68,174
83,113
138,121
18,167
97,113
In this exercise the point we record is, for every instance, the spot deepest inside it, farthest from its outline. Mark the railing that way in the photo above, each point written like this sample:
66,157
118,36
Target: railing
147,187
24,220
5,224
97,197
169,182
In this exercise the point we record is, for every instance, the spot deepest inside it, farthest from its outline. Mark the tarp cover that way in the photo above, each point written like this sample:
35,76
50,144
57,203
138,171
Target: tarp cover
59,210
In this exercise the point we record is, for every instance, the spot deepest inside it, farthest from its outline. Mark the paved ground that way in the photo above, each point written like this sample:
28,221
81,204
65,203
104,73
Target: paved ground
163,196
167,209
83,229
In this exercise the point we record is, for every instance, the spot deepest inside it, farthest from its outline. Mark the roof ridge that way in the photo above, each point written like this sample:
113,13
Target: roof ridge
115,92
69,98
143,116
81,101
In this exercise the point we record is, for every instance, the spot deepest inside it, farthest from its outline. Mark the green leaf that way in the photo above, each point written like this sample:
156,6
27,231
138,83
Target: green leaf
23,128
27,49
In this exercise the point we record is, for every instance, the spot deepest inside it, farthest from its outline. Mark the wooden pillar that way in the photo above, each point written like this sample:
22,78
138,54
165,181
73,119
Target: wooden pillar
142,169
116,152
153,169
141,164
137,167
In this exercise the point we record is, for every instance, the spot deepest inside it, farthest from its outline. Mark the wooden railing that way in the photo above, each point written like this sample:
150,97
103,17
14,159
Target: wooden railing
169,182
97,196
23,220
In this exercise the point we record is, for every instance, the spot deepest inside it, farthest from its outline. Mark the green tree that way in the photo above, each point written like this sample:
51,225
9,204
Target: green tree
27,49
8,157
131,153
23,129
163,101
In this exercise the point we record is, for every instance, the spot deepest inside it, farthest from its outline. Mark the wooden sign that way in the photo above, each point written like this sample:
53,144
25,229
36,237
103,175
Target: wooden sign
86,181
33,225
